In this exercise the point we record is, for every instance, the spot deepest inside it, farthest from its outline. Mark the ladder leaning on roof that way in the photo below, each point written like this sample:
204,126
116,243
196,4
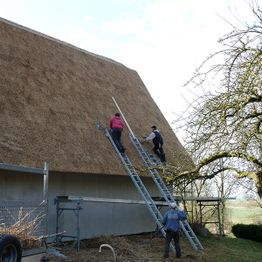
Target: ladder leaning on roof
147,160
138,183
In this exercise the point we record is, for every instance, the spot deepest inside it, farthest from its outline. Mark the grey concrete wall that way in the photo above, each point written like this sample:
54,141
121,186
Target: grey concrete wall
96,218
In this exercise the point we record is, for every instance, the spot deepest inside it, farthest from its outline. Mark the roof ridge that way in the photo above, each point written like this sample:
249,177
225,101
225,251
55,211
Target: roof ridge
58,41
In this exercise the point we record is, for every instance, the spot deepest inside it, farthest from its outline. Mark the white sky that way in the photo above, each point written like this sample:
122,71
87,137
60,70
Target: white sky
163,40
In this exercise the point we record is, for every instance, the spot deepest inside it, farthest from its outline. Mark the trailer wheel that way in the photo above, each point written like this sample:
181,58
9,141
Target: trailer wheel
10,249
43,259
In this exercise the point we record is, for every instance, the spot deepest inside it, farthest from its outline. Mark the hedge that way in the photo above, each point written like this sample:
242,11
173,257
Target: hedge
252,232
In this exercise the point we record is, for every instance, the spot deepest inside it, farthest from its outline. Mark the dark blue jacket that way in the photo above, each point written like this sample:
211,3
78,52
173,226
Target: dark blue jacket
171,219
158,138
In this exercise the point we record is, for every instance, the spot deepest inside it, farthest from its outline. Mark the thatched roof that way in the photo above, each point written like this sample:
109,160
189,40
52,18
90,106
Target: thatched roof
52,95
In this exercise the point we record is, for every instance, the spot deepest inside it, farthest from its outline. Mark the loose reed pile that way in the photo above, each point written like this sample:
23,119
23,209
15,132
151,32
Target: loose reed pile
24,228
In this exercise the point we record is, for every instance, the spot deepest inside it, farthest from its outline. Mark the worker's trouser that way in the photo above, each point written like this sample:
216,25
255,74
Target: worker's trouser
169,236
158,150
116,135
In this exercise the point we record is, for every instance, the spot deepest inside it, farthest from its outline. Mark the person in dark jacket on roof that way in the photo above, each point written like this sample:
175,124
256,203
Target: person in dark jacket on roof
158,142
171,225
117,126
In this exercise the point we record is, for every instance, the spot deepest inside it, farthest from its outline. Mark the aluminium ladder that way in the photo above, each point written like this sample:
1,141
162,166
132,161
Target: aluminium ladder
147,160
139,184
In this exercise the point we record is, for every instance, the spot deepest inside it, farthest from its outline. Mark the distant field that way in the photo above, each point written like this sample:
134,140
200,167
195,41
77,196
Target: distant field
245,212
238,212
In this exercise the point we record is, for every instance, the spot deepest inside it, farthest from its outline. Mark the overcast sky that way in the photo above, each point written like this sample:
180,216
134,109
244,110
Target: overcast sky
163,40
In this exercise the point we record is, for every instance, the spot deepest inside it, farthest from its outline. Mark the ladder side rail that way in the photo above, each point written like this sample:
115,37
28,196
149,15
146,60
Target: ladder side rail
189,237
151,205
153,172
145,157
142,153
148,200
164,191
162,186
133,173
185,224
146,196
156,182
125,163
158,218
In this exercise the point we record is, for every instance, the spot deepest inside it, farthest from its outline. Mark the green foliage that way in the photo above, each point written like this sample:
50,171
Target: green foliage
252,232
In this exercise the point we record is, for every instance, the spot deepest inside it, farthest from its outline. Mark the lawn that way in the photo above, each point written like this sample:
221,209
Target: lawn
144,248
229,249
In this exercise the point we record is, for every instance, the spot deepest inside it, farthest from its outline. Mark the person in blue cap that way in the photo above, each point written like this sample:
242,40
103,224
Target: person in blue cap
171,225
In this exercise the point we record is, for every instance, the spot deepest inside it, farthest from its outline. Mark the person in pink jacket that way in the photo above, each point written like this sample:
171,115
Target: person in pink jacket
117,126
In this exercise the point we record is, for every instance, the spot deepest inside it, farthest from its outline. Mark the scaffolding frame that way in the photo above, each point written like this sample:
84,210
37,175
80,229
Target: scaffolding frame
77,202
202,203
60,210
31,170
211,202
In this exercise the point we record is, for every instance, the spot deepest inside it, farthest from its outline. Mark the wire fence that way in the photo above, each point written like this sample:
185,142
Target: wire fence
25,219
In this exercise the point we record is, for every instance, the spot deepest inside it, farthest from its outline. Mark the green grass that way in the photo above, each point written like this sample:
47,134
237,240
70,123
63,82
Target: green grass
229,249
246,212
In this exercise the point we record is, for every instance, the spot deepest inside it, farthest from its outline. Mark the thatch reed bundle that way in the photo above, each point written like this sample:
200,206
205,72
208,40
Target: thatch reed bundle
25,228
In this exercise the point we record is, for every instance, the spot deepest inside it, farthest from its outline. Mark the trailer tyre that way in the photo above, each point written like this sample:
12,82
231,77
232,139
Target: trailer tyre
43,259
10,249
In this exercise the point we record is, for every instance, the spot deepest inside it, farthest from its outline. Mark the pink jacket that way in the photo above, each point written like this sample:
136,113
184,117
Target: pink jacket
116,122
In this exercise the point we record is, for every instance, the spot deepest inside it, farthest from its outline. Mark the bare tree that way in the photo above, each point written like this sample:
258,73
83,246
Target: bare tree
223,126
